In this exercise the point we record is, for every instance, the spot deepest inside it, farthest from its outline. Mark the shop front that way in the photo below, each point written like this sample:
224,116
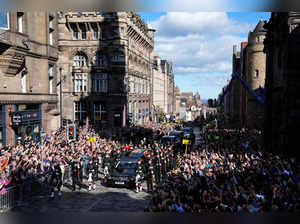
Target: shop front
27,123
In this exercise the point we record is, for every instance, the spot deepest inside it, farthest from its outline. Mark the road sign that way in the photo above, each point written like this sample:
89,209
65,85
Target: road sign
186,142
92,139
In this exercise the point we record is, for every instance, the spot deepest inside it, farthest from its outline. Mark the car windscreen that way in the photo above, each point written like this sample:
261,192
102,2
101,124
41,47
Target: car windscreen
126,165
173,133
167,140
188,130
134,152
122,170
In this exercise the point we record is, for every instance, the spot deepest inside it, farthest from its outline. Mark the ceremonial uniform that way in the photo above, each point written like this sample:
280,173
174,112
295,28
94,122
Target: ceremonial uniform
149,176
92,170
157,171
55,180
76,180
139,172
107,163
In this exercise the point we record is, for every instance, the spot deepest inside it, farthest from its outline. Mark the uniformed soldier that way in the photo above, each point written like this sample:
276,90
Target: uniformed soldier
157,166
139,172
107,163
163,165
55,180
92,170
149,176
75,175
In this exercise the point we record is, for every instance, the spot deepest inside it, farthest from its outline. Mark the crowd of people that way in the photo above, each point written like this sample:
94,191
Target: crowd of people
30,165
230,173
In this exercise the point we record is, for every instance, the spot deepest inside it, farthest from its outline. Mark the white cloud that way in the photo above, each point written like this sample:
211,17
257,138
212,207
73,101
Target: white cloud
199,44
182,23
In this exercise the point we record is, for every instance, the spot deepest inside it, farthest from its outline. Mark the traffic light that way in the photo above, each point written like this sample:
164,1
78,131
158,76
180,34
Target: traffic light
71,132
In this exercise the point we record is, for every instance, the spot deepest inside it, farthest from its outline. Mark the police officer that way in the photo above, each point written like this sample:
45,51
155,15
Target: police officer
139,174
55,180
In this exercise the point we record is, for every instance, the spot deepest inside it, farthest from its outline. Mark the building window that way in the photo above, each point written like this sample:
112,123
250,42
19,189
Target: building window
51,30
256,73
4,20
134,85
80,83
23,82
100,83
83,35
257,39
143,91
139,86
50,75
20,21
118,57
75,35
95,34
80,111
80,60
99,60
100,114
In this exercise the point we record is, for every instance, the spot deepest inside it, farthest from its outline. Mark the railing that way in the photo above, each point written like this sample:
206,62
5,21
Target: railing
5,36
37,186
7,200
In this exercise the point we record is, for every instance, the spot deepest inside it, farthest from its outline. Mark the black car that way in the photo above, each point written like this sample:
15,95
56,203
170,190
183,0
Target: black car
178,136
123,174
189,134
168,140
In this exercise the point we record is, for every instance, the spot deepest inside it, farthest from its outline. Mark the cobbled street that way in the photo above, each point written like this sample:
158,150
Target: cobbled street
104,199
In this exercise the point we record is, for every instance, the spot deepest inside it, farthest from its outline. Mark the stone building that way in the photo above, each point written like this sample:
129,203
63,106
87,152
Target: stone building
28,75
282,107
159,85
236,90
106,67
177,100
255,69
168,69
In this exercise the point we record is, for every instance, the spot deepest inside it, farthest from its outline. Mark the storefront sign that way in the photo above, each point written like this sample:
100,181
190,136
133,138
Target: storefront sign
29,115
24,116
17,119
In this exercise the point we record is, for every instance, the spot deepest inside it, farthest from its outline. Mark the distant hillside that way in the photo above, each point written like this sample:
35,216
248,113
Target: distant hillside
204,100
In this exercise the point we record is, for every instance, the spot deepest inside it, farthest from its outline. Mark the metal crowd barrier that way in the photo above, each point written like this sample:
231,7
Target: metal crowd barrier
7,200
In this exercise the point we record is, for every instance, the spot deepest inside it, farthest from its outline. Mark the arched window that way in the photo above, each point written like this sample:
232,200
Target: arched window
99,60
80,60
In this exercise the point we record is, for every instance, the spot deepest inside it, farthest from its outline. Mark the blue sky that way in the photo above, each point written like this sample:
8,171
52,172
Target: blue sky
200,45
